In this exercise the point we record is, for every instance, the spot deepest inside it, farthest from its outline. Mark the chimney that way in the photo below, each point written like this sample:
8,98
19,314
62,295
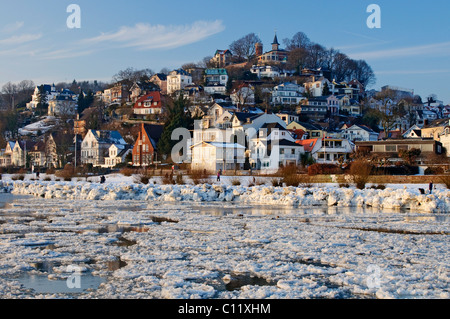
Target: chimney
258,49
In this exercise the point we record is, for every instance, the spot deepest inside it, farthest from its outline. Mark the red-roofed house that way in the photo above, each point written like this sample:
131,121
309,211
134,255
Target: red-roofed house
327,150
150,103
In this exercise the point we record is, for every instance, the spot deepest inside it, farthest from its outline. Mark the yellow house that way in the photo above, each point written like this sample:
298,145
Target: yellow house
313,131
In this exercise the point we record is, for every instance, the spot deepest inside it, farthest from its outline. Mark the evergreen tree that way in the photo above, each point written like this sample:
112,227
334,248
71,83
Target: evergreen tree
326,90
42,106
178,117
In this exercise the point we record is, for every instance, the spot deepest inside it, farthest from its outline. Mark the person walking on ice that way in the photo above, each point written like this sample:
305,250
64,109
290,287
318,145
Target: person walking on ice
218,175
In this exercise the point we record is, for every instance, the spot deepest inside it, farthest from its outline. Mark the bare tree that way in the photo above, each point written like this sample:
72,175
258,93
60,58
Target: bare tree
297,59
298,41
9,91
244,48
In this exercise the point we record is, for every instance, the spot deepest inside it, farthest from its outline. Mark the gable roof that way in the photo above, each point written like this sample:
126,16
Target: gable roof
152,97
308,144
108,137
154,132
244,117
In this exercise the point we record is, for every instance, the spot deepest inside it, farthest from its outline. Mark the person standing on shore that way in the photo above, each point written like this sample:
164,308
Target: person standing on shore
431,187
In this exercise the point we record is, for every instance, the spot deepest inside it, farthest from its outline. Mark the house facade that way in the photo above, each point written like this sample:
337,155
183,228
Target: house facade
178,80
213,156
144,150
160,79
274,147
287,94
221,58
43,153
327,150
116,155
64,104
150,103
390,148
49,91
96,144
359,133
276,55
216,81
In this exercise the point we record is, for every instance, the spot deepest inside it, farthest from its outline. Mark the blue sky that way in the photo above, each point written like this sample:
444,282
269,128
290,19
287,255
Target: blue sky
411,49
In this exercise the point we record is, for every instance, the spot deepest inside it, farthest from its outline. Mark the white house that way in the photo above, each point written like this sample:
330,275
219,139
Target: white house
178,80
287,94
265,71
65,103
274,147
117,154
49,91
444,138
213,156
359,133
243,95
96,144
315,87
330,150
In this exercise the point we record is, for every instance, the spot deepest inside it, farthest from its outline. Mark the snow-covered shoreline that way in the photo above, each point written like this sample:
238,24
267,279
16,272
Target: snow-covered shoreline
392,197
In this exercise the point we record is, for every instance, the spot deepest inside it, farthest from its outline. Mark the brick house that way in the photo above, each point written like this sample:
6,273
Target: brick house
144,151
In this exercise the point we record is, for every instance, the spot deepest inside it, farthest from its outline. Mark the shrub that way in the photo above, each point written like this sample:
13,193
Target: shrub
342,181
168,179
143,178
18,177
67,173
434,170
199,176
179,179
276,182
445,179
291,177
126,171
235,181
320,169
360,171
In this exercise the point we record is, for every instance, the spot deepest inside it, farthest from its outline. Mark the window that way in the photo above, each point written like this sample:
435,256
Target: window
391,148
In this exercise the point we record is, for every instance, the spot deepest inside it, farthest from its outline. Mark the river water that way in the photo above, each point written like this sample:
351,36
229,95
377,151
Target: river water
133,249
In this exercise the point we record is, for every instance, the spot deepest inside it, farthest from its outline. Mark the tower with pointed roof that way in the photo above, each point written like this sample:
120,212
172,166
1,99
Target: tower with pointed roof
275,44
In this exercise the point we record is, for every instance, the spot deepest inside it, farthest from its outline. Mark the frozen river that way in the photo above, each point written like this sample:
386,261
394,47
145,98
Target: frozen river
59,248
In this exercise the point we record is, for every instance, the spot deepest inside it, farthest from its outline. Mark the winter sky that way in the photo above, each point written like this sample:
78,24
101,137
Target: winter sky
411,49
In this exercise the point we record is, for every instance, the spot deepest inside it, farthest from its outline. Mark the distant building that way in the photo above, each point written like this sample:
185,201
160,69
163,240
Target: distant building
49,91
117,154
96,144
399,91
390,148
145,147
160,79
359,133
276,55
216,81
64,104
221,58
178,80
213,156
287,94
150,103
